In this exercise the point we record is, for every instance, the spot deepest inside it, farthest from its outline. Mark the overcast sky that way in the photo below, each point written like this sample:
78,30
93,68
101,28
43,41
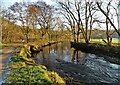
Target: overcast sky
7,3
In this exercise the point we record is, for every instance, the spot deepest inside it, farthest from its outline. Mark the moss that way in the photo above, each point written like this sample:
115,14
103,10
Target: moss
21,72
56,78
17,58
17,65
32,74
24,52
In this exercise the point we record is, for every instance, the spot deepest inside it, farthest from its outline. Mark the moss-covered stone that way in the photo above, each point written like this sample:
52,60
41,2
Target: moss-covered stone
22,72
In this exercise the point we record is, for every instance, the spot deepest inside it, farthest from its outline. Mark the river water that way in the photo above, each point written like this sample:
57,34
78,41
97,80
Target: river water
5,54
90,68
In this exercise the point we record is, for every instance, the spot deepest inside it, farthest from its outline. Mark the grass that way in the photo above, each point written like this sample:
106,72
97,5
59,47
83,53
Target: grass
114,42
100,41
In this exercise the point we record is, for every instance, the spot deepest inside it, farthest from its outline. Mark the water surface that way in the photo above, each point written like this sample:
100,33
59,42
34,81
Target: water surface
5,54
90,68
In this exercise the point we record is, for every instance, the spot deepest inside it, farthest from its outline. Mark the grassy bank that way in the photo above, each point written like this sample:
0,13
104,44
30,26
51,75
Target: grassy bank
25,70
109,52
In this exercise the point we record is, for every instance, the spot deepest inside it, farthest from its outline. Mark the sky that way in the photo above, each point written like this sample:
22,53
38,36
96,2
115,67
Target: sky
7,3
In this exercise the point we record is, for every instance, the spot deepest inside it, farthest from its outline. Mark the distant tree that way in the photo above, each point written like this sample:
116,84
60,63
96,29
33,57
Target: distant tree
43,15
20,16
8,26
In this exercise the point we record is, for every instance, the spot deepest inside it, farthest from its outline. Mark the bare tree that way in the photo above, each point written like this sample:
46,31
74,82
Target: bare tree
20,15
76,13
109,11
108,17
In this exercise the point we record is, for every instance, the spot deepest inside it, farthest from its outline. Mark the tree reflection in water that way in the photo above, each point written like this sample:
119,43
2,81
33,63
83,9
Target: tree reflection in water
75,56
61,51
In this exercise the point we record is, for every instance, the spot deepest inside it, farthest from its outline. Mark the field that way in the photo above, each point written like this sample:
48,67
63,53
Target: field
100,41
115,41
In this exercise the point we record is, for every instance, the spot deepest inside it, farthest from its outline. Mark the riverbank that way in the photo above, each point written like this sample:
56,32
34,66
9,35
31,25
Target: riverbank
22,69
91,70
111,53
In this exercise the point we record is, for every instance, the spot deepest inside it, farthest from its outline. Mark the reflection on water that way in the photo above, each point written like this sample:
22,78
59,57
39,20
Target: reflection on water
101,70
61,51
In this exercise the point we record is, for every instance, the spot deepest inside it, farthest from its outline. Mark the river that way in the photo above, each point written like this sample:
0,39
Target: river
90,68
5,54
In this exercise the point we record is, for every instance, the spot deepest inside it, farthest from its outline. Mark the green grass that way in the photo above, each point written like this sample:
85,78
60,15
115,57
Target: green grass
100,41
114,42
